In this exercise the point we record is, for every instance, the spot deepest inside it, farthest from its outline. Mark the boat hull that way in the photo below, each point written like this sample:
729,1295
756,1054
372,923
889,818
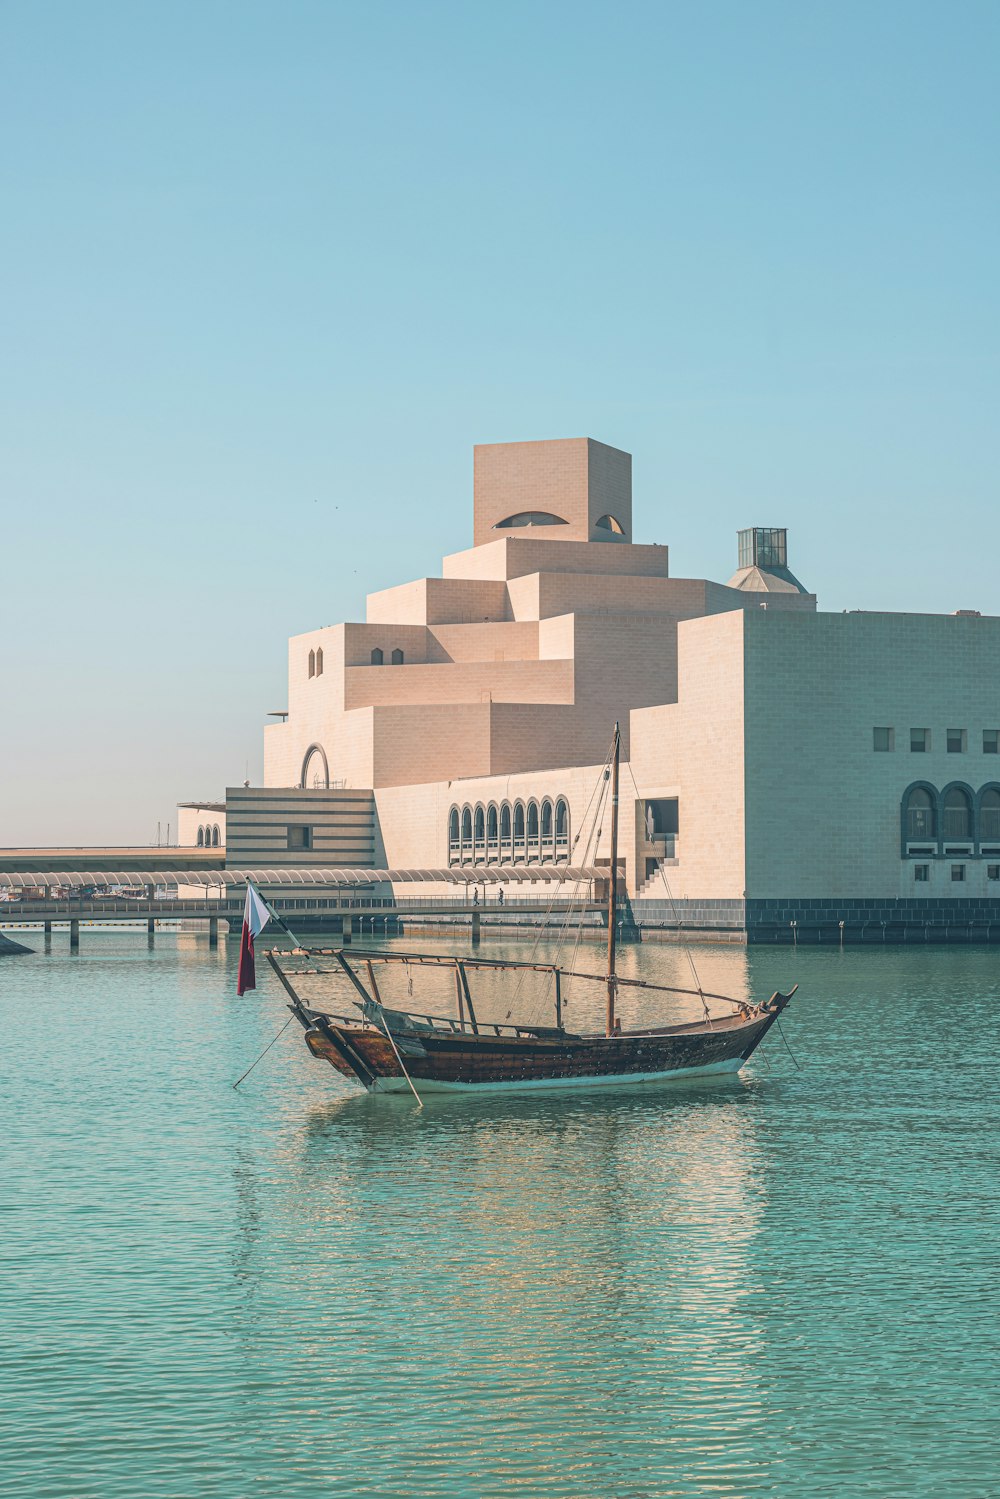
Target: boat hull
462,1062
531,1085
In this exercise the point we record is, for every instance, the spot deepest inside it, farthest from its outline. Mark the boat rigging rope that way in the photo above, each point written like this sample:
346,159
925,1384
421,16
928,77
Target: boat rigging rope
264,1053
601,786
680,925
787,1047
399,1059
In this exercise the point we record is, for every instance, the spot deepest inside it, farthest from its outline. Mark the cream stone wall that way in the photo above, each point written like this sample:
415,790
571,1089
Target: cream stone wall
575,480
515,556
694,749
414,819
461,682
437,601
823,807
485,642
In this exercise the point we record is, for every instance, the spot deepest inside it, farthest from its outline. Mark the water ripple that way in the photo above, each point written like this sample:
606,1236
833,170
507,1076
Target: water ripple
781,1285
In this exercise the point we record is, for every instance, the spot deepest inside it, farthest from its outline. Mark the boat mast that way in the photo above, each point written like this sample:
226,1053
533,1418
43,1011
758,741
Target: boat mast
613,881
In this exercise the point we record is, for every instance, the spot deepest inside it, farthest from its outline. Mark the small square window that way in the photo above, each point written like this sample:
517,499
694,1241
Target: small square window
920,741
300,837
885,739
921,873
957,741
993,871
991,741
958,873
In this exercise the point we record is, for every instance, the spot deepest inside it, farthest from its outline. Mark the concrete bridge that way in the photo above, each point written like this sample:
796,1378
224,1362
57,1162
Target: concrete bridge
300,898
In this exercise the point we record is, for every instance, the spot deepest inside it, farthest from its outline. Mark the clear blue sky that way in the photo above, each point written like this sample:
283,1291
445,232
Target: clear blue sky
268,271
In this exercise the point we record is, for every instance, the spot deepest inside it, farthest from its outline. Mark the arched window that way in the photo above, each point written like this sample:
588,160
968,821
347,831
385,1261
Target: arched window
312,663
547,820
918,814
530,518
609,523
467,826
201,837
532,822
989,814
377,657
957,818
215,836
519,822
397,657
453,843
480,833
562,819
319,662
491,824
505,822
315,768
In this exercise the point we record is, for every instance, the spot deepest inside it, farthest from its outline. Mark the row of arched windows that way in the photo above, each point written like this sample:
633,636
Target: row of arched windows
955,814
208,837
509,832
316,663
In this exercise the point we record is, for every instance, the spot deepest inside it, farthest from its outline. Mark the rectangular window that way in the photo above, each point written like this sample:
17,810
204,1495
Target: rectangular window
300,837
991,741
920,741
957,741
885,739
958,873
921,872
993,871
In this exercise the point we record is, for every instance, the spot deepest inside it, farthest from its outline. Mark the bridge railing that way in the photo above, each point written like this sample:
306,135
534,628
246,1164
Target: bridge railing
231,909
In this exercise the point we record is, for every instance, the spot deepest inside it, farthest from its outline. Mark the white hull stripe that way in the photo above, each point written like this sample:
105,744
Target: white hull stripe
532,1085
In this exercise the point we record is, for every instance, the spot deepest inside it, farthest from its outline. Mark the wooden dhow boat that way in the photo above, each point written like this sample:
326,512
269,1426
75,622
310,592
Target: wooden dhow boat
394,1050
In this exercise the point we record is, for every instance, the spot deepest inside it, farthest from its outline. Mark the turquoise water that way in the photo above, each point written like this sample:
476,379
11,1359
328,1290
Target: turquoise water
782,1285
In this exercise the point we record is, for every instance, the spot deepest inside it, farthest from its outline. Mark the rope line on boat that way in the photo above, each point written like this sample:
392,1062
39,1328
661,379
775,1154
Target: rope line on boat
264,1053
787,1047
673,906
600,786
399,1059
601,791
594,839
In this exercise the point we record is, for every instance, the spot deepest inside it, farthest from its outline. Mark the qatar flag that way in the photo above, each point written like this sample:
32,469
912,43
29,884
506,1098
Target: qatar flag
255,919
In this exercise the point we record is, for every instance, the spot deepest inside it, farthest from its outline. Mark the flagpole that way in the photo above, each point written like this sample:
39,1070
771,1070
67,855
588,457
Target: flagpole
274,915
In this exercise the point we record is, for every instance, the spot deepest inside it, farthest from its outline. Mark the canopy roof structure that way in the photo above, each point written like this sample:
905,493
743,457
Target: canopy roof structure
494,874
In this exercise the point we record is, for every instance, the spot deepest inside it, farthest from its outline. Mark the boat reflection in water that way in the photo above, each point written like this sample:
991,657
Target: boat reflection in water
521,1258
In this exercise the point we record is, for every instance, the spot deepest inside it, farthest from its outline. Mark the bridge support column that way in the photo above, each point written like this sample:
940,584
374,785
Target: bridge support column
347,929
213,931
47,930
74,934
150,927
476,924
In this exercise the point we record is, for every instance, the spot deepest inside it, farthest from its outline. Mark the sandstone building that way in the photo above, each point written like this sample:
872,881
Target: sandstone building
783,765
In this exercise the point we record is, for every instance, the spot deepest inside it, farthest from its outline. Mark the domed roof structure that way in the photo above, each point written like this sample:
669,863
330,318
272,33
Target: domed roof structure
763,560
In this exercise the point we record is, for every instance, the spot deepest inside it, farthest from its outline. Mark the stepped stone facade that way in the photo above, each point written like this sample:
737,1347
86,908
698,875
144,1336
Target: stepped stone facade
777,760
520,657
